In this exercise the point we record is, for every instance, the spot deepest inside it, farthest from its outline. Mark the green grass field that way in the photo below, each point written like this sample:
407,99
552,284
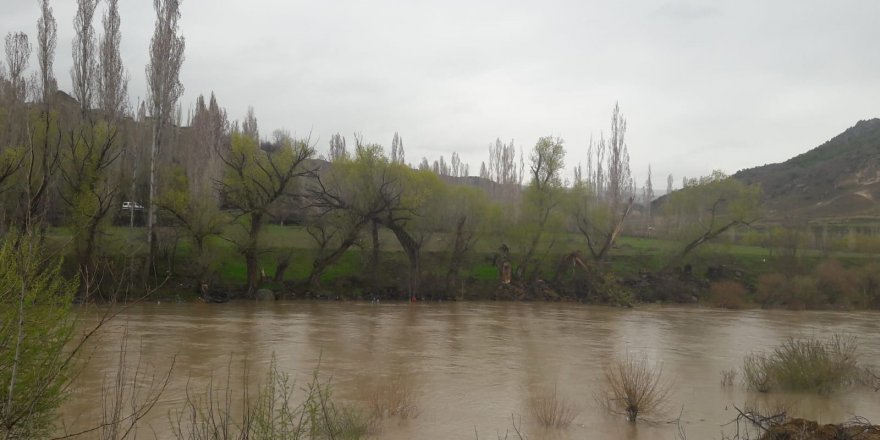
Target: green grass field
630,256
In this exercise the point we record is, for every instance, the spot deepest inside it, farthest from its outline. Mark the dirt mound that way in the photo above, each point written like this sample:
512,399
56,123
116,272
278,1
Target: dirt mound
800,429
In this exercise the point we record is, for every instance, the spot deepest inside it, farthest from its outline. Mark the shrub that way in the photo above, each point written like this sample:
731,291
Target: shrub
804,365
634,387
803,293
271,415
38,346
771,289
551,410
727,294
837,284
868,279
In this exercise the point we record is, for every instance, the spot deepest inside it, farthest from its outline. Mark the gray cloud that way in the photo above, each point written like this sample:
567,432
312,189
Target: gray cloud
726,86
686,10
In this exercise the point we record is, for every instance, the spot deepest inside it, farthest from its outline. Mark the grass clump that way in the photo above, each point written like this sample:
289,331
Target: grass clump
728,377
551,410
806,364
274,413
635,387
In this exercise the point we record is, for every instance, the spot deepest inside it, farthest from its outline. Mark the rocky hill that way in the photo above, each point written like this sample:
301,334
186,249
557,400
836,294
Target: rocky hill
838,180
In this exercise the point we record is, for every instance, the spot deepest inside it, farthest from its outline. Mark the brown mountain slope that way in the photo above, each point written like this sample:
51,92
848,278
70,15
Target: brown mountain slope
840,179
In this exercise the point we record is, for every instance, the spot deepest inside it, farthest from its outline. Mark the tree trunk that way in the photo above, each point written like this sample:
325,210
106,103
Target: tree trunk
281,267
322,262
612,235
413,252
250,252
151,209
458,251
374,262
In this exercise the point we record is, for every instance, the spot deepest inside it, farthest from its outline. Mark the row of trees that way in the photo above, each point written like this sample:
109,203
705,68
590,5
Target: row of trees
70,161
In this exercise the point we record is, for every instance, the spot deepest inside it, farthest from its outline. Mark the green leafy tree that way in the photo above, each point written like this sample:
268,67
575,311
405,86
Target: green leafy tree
343,201
464,217
200,219
254,180
542,199
88,189
710,206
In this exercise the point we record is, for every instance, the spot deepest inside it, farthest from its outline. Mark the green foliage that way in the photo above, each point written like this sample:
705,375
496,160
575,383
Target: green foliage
807,364
254,178
36,324
709,206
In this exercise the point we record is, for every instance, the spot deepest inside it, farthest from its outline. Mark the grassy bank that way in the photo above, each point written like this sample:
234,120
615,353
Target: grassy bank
635,263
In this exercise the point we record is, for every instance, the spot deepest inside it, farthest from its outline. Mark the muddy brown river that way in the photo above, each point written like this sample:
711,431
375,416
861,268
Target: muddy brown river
472,367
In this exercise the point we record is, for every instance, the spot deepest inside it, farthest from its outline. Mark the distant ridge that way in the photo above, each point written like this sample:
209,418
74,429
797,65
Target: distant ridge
838,180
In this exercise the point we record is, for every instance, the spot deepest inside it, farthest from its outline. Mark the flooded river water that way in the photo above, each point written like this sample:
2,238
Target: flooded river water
471,367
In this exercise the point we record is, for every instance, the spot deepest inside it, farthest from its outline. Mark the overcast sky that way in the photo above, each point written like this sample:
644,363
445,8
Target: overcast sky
724,84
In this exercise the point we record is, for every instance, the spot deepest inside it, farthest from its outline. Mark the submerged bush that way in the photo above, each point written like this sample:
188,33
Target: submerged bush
804,365
273,414
635,387
552,410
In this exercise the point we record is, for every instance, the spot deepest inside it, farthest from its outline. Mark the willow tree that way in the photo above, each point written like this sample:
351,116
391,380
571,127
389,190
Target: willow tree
541,200
710,206
343,201
464,217
254,180
163,91
413,204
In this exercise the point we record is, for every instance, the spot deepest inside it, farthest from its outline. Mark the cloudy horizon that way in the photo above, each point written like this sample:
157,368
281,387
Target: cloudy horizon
704,85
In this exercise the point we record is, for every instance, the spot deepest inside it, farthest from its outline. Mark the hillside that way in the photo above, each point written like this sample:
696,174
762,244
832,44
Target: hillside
838,180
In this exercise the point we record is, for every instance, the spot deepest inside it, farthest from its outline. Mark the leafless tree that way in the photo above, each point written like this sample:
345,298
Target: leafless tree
338,149
455,167
249,125
649,197
397,153
84,73
43,139
113,80
619,175
18,53
502,169
163,91
209,129
47,40
614,188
